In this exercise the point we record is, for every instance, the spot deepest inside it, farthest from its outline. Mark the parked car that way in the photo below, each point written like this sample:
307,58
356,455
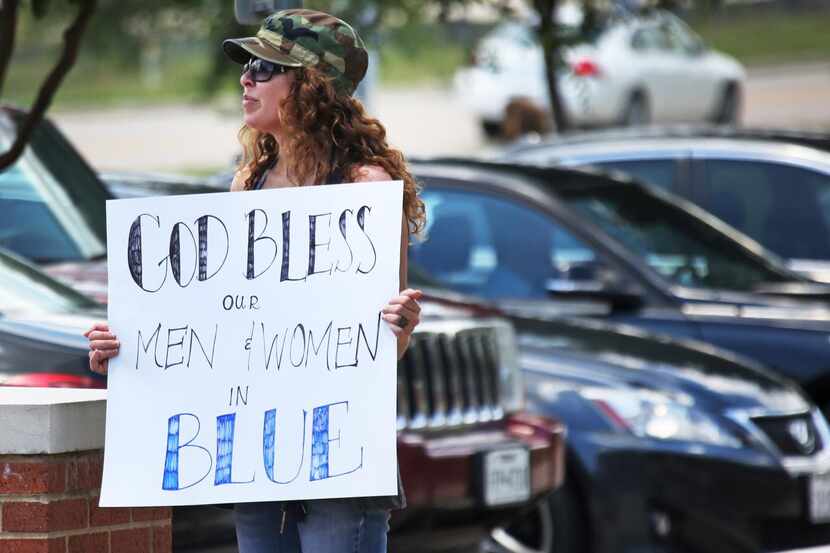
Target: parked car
634,69
449,466
773,186
508,233
674,446
635,403
470,457
613,506
52,201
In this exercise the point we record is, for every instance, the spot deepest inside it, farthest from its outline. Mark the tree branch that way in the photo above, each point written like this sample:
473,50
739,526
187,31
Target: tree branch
550,50
8,28
72,42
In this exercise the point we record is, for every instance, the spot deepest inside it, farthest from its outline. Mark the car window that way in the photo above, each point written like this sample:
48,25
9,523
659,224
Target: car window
785,208
684,37
656,172
664,39
677,245
28,226
41,219
647,38
484,245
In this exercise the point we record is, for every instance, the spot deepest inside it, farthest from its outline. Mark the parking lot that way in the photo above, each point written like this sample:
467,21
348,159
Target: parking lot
610,340
422,121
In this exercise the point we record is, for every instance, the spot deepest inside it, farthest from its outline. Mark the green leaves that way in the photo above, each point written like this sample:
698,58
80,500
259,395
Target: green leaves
40,7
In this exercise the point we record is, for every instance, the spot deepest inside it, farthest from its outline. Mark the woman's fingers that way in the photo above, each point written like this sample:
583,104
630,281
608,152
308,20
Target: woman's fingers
100,335
402,309
104,344
97,326
97,364
104,353
393,321
403,313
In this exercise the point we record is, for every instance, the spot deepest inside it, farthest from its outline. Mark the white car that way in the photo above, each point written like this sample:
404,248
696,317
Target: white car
636,70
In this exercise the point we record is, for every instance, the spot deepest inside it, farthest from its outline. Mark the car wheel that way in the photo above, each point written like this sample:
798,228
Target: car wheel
492,129
636,112
728,109
556,524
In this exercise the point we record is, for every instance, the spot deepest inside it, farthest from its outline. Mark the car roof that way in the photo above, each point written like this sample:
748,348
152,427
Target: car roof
538,182
519,176
788,146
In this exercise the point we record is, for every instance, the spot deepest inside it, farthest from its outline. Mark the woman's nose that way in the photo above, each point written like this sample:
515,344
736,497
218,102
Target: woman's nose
245,79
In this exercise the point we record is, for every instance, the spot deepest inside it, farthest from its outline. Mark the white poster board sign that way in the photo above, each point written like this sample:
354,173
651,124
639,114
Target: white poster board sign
254,364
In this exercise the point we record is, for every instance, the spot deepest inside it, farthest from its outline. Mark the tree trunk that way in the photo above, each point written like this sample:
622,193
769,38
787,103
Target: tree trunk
8,26
72,42
550,47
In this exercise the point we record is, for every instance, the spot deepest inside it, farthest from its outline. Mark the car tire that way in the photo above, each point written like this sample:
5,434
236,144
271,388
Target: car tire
636,112
556,524
728,109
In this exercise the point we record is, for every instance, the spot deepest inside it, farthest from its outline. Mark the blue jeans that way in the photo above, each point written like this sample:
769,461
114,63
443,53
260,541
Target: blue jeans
328,527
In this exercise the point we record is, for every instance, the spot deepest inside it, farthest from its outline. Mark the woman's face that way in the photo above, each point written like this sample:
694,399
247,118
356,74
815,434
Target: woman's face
261,100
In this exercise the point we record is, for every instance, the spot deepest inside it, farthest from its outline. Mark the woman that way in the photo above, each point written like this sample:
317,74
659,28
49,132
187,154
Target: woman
302,128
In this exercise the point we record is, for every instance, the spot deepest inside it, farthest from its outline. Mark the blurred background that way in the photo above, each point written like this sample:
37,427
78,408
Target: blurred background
152,91
669,306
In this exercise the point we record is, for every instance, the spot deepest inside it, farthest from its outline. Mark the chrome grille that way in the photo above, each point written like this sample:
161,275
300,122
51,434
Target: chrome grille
450,375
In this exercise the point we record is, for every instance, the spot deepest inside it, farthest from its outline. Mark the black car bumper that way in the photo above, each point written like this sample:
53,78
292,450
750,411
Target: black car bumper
691,499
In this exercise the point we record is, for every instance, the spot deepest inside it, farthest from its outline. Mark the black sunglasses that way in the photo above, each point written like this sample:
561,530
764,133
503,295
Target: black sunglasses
262,71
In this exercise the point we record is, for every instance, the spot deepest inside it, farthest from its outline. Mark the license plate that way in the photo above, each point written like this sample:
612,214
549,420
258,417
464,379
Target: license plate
506,476
819,497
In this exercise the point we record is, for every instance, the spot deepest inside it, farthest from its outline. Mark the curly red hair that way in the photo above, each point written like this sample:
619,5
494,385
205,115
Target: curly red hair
328,132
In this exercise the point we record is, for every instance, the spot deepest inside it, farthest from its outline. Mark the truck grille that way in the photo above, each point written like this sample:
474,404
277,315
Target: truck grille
450,376
792,435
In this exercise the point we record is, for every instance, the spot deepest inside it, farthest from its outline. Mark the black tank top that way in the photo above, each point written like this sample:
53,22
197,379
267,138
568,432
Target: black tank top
335,177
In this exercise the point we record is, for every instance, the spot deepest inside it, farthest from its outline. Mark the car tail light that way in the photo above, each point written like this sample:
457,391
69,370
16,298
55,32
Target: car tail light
53,380
586,68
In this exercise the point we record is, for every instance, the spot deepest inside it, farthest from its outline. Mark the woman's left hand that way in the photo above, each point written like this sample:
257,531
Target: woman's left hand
403,313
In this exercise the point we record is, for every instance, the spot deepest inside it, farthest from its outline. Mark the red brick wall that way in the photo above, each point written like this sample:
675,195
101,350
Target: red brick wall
49,504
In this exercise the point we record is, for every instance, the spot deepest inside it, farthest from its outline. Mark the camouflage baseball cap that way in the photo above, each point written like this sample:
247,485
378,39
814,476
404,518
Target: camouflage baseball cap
306,38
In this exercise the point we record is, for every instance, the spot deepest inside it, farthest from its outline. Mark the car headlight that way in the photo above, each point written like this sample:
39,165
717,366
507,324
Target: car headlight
656,415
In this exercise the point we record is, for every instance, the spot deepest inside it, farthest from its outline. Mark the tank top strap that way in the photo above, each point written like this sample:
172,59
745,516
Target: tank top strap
263,176
335,177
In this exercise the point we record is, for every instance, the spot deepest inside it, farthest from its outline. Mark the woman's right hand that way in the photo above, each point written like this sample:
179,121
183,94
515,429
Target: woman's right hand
103,345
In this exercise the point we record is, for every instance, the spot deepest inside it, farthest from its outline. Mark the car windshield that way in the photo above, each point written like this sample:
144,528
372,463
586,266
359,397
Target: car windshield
52,202
676,244
26,289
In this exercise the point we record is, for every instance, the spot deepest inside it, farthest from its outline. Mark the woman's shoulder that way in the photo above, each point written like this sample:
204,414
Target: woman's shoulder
239,179
370,173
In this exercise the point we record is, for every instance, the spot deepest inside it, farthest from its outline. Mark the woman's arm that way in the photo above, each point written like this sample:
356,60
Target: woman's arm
402,313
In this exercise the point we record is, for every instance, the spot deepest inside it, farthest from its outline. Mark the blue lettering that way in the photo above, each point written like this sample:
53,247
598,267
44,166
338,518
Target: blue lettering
269,433
224,450
320,441
170,480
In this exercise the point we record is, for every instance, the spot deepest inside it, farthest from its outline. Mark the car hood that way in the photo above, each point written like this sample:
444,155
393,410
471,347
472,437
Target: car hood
593,354
64,329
